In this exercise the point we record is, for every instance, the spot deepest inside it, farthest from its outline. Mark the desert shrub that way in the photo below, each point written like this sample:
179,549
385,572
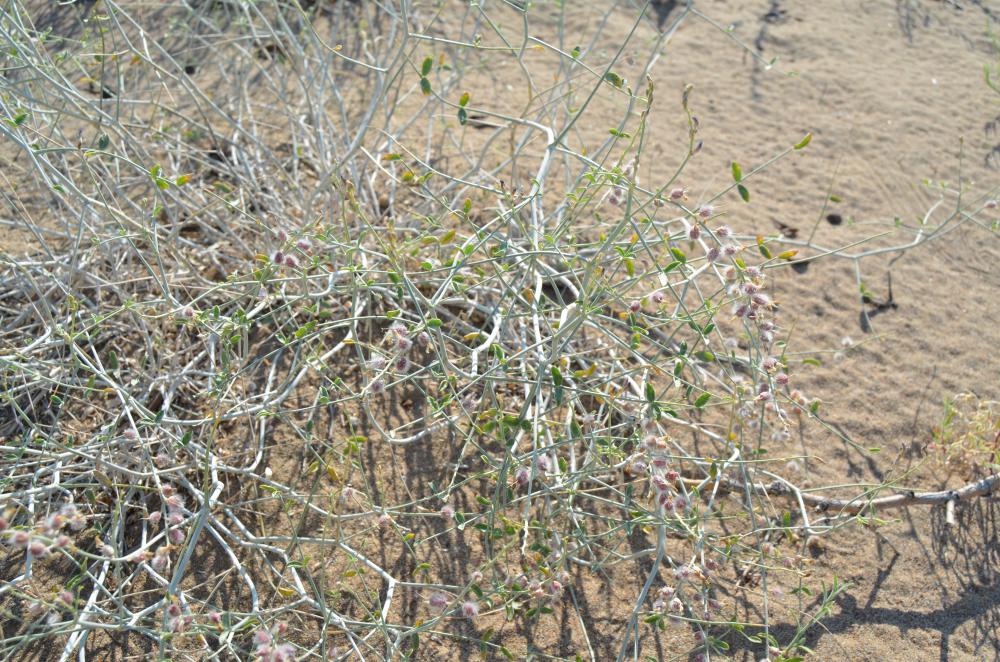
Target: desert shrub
280,249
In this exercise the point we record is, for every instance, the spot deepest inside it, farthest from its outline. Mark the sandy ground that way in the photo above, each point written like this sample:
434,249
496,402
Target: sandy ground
890,92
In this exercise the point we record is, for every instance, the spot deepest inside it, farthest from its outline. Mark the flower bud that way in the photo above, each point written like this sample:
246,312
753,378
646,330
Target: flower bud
470,609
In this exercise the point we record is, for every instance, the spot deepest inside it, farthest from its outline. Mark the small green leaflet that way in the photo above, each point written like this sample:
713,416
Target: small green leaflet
805,141
702,400
557,379
614,79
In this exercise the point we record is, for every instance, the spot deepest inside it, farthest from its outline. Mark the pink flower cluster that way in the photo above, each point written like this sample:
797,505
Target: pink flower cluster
282,258
268,651
400,342
51,527
663,477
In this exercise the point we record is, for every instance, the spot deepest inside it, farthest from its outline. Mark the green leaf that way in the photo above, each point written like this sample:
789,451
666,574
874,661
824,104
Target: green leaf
463,116
650,393
557,377
706,356
434,323
805,141
103,142
678,254
764,250
425,86
744,193
416,645
614,79
464,100
425,68
737,172
575,53
702,400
